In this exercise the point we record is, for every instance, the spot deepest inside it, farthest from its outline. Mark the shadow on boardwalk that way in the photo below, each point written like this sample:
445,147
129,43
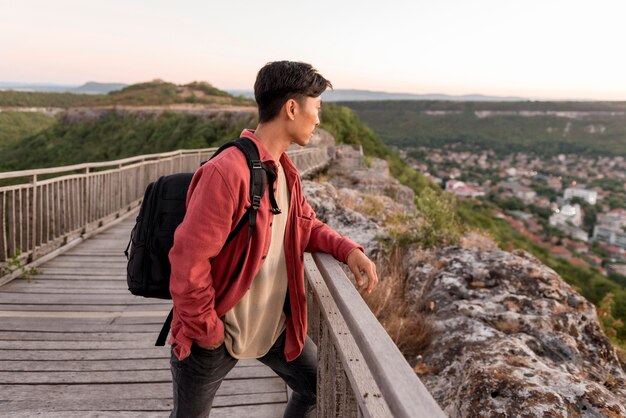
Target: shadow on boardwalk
75,343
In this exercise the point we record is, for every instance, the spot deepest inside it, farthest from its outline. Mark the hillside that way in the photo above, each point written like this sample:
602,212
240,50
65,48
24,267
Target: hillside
14,126
544,128
118,135
156,92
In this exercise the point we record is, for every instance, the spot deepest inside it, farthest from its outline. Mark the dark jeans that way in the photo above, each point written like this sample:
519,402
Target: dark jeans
196,378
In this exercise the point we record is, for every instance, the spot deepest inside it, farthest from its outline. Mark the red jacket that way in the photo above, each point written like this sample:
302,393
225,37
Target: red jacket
202,284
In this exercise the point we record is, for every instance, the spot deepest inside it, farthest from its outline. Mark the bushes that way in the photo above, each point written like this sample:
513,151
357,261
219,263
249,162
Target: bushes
118,135
440,224
16,125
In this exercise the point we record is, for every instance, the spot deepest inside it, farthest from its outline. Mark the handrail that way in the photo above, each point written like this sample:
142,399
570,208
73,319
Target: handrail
37,216
362,372
118,163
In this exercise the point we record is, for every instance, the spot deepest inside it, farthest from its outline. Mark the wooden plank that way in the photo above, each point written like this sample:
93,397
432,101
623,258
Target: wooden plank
69,283
44,289
47,211
71,337
19,219
39,208
11,224
258,411
74,354
87,263
91,404
69,327
54,271
86,308
82,277
79,252
76,345
70,299
259,373
138,390
3,226
24,214
71,256
122,320
112,365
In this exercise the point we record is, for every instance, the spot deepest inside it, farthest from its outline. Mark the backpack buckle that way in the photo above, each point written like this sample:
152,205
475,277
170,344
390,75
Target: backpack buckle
256,164
256,202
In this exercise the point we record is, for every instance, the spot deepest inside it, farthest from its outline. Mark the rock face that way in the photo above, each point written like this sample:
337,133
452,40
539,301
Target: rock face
513,339
326,201
351,170
359,201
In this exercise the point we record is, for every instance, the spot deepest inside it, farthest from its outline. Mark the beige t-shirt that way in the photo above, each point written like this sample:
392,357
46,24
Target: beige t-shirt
256,322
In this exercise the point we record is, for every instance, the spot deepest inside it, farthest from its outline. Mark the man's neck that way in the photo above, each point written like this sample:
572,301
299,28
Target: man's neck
273,138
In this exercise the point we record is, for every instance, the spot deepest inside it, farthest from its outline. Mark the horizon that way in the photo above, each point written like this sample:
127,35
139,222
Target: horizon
555,50
23,88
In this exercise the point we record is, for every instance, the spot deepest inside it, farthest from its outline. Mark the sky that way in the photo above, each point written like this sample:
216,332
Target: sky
551,49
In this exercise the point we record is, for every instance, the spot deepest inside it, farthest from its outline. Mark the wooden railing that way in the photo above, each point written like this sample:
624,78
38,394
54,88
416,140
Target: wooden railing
361,372
42,213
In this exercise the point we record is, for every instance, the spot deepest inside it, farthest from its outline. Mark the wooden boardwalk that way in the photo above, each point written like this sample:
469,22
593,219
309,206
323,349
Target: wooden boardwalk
75,343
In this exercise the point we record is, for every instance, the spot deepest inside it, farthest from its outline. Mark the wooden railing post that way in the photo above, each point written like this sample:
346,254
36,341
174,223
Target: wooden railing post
33,218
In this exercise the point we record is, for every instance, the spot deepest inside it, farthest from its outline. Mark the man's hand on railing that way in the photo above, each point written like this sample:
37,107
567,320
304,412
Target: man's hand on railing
361,265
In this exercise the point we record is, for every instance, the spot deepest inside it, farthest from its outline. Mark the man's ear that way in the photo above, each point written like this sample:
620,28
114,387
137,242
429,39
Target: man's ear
290,108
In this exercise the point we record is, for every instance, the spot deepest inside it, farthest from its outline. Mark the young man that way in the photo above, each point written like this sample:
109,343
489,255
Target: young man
261,313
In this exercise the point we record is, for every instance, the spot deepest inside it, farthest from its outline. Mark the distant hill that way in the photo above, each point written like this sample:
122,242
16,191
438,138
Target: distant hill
340,95
90,87
366,95
93,87
152,93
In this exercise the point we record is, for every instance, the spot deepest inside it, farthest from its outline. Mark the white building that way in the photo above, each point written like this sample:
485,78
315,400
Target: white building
611,228
567,215
463,189
590,196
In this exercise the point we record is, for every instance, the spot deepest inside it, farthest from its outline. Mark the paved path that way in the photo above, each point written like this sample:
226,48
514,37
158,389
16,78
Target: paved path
75,343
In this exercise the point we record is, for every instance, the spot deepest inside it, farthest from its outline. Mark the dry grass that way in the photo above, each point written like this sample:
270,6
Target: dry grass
371,206
411,332
479,240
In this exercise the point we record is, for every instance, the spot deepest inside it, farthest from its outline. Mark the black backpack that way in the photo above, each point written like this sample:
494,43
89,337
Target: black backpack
163,209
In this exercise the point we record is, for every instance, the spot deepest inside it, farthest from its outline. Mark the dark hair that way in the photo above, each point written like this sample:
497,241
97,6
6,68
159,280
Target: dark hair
280,81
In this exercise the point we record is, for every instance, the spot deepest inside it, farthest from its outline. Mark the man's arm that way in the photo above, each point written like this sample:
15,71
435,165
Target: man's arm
197,240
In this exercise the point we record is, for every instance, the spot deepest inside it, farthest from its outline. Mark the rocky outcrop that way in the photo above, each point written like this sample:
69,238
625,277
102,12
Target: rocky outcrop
512,339
350,169
361,202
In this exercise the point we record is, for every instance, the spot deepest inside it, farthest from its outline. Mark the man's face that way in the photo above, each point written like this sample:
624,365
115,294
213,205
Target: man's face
306,119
